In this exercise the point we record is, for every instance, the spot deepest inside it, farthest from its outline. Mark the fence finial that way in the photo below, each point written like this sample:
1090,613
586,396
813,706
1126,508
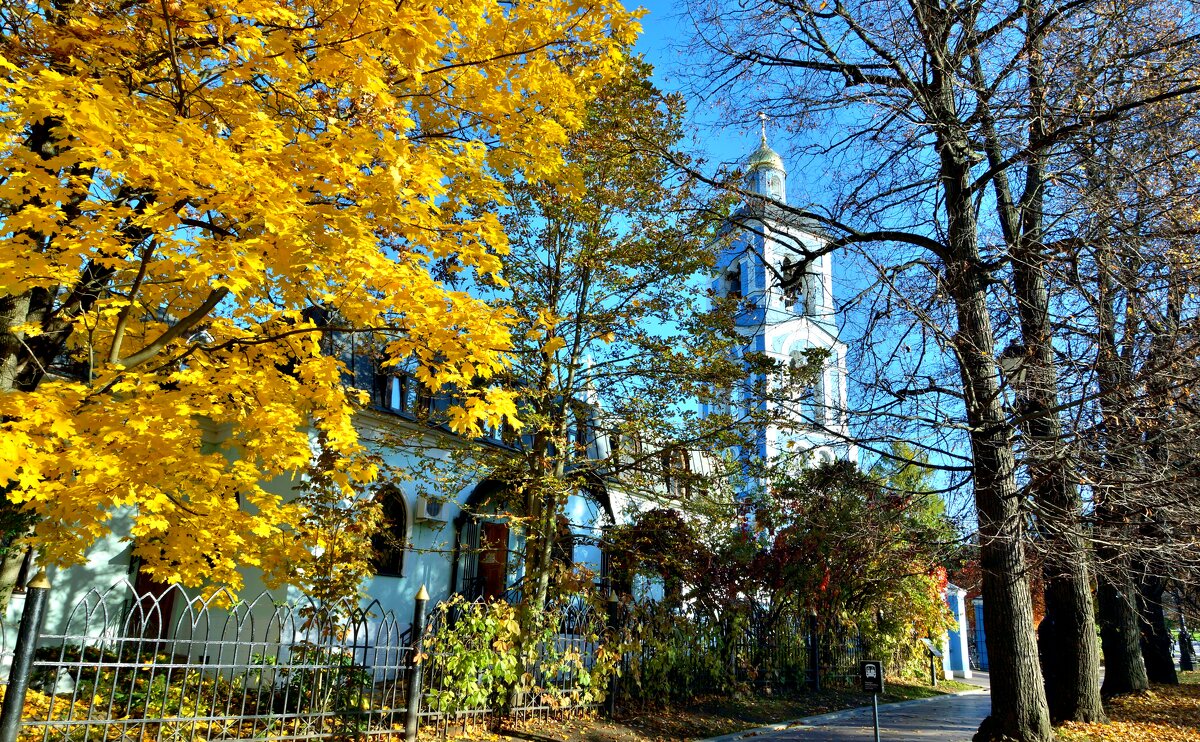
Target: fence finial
422,594
40,580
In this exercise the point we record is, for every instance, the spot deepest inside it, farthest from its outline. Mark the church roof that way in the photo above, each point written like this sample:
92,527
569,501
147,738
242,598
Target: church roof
759,208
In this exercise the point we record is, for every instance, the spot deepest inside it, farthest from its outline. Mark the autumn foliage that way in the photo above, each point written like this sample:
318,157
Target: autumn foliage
1163,714
193,191
854,548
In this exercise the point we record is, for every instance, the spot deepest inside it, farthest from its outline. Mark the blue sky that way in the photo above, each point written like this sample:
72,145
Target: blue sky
664,40
664,35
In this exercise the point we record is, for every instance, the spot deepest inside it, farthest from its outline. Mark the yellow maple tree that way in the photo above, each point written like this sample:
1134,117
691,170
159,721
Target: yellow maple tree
192,190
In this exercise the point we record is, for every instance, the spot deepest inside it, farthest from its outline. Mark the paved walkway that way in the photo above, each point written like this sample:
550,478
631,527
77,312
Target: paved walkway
944,718
982,679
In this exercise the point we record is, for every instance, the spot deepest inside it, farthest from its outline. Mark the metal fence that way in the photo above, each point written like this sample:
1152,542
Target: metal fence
555,685
775,651
171,665
176,666
679,654
547,687
676,654
842,649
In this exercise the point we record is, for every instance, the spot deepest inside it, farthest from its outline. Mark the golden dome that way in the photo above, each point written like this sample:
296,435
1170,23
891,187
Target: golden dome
764,156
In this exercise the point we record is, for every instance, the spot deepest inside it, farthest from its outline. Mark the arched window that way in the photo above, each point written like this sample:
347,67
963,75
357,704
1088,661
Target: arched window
774,186
390,542
820,406
793,285
676,466
733,280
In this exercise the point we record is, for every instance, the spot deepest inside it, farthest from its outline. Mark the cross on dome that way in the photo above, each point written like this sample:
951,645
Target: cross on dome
765,173
764,156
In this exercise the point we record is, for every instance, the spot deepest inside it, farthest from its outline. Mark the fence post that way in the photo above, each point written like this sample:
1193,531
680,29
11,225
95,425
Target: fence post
731,632
613,631
412,704
36,593
814,653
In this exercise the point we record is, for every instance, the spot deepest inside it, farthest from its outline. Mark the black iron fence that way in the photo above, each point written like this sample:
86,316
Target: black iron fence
680,654
775,651
132,665
558,674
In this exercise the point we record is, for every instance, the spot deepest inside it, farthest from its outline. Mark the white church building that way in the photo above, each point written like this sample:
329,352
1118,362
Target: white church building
787,309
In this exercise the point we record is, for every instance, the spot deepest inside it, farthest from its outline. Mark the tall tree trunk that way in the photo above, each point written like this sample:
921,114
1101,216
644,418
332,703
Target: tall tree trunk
1155,637
1151,575
1116,607
1069,652
1120,636
1185,635
1018,697
1068,648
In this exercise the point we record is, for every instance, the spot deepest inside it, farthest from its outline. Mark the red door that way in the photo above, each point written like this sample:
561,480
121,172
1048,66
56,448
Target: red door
156,603
493,559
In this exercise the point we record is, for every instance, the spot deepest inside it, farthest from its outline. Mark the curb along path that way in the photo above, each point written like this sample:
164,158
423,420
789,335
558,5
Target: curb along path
946,718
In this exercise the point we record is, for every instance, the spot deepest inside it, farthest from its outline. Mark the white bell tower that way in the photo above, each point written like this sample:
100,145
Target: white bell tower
787,309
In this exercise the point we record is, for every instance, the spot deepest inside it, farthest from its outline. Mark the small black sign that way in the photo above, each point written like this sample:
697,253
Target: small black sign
870,672
932,648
